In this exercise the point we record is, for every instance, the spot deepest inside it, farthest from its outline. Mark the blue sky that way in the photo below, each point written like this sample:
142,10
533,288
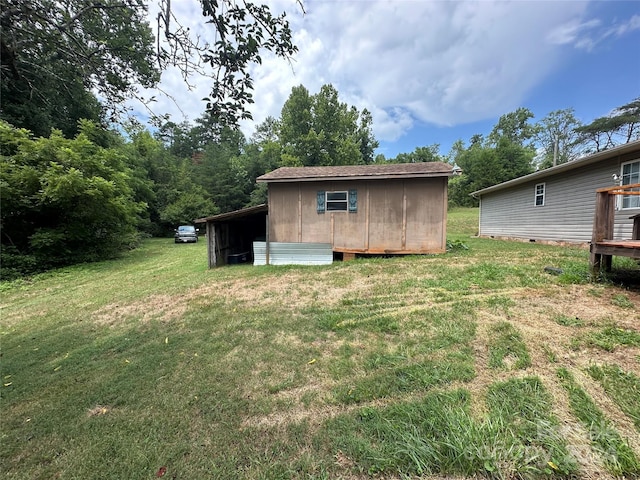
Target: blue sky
591,80
435,72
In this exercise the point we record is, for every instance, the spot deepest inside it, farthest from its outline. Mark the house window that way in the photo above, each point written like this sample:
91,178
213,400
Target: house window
338,201
630,175
539,199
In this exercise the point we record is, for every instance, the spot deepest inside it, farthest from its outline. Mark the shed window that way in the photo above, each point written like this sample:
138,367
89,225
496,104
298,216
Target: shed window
630,175
337,201
539,197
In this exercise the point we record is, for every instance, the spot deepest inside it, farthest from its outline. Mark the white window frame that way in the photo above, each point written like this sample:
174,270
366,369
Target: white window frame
538,195
336,202
633,199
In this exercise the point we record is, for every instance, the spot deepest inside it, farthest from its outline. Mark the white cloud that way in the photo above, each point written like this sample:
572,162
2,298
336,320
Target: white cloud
586,35
438,62
442,63
625,27
574,32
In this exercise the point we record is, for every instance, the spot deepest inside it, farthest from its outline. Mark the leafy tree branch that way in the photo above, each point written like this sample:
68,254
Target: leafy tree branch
75,47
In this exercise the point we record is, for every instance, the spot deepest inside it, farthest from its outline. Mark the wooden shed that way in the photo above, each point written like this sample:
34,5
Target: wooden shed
363,209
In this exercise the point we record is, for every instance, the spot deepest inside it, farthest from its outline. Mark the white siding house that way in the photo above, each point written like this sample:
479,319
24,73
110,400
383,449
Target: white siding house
557,204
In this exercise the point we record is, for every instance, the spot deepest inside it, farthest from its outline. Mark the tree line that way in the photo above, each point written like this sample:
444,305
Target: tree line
516,147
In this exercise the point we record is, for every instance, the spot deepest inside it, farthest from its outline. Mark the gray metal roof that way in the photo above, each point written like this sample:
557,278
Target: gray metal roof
565,167
352,172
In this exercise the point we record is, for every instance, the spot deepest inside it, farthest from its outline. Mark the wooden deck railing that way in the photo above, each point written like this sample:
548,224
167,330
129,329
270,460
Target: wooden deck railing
603,243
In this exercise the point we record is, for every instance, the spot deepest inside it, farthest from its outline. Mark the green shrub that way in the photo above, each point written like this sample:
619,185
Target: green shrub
63,201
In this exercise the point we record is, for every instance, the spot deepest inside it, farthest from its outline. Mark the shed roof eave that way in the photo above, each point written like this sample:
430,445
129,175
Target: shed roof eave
357,172
244,212
565,167
353,177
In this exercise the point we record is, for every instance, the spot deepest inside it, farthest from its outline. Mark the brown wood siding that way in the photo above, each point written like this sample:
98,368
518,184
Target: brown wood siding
385,219
398,216
348,228
284,224
426,207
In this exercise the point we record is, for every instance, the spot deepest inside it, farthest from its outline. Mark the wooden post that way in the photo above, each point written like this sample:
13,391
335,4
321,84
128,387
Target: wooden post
299,214
404,217
443,238
367,219
609,228
266,245
218,232
636,227
603,226
598,232
333,231
595,263
211,244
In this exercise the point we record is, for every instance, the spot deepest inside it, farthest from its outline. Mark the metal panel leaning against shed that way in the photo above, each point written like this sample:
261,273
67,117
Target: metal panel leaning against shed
292,253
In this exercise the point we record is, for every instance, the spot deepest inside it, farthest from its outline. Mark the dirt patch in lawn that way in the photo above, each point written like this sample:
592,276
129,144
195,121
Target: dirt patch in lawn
290,290
163,307
534,316
551,343
550,347
98,410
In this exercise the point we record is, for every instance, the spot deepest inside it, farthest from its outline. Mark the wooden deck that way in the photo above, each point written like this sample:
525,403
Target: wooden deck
603,246
625,248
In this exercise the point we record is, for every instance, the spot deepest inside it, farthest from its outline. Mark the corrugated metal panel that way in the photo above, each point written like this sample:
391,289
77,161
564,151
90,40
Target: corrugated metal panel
567,214
293,253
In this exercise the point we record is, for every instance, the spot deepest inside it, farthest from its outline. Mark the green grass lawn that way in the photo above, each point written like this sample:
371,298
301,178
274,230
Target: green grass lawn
471,363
